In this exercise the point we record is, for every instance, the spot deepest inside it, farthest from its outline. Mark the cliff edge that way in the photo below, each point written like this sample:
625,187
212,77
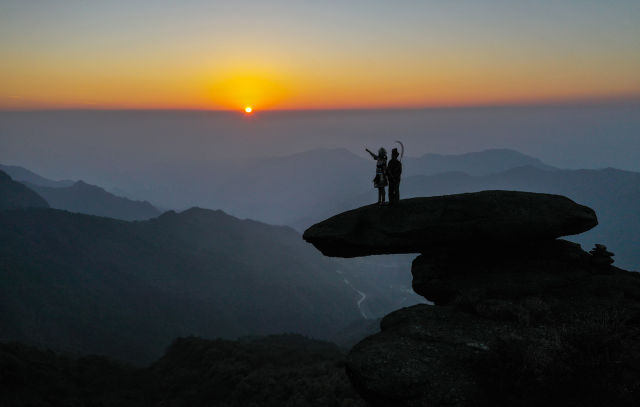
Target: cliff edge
415,225
519,316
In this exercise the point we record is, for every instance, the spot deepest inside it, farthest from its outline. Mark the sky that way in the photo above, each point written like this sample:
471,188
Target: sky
196,54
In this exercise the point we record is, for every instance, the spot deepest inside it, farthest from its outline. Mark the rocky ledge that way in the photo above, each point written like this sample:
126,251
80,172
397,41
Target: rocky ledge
520,317
418,224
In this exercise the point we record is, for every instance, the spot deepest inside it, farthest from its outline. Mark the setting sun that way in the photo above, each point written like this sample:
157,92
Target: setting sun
248,109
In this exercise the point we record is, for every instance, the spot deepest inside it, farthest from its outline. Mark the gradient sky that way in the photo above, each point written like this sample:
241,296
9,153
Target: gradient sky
302,54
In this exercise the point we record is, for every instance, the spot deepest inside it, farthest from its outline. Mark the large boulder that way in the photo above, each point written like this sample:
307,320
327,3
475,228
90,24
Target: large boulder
469,275
520,317
417,225
556,345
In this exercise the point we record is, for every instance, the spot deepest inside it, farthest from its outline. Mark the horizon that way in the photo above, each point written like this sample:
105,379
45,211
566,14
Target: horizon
109,147
292,56
559,103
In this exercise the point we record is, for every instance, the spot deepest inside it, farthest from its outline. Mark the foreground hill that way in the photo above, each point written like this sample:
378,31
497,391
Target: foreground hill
15,195
92,200
96,285
284,370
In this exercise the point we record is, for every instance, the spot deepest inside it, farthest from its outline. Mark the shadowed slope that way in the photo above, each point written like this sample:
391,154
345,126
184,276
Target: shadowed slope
14,195
126,289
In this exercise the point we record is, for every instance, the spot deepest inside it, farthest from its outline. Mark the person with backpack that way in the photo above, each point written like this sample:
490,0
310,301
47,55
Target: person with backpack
394,171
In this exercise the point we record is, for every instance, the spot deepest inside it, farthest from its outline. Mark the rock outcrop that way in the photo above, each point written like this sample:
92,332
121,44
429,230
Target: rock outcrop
416,225
520,317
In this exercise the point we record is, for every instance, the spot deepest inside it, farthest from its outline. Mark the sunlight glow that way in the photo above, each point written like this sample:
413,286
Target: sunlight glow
227,58
248,109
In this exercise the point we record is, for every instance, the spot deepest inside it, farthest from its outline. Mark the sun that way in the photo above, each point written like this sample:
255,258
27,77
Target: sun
248,109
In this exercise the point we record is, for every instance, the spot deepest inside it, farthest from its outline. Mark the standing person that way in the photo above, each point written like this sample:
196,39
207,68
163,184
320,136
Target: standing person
380,180
394,171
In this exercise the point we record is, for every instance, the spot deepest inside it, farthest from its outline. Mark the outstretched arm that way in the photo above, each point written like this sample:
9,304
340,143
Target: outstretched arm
375,157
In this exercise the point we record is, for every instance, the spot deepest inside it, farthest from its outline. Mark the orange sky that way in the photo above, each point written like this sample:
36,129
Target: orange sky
292,56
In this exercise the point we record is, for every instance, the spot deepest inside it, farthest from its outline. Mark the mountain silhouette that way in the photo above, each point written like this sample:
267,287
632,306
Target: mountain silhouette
93,200
475,163
292,187
16,195
90,284
287,190
22,174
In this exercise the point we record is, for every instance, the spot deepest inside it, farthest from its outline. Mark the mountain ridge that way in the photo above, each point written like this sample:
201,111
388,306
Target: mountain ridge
91,284
14,195
82,197
22,174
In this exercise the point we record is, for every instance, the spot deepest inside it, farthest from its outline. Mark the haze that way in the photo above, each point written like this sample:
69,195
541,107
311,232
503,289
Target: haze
118,149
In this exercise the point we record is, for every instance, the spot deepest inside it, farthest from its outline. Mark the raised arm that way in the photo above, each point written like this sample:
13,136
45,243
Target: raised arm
375,157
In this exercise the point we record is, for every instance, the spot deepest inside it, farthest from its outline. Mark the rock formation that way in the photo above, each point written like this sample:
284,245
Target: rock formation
520,317
416,225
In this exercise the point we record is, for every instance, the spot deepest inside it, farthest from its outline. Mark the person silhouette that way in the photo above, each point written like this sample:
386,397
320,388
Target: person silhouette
380,180
394,171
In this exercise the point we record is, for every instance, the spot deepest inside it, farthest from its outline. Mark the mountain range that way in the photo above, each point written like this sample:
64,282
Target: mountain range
80,197
90,284
476,163
292,189
288,190
93,284
22,174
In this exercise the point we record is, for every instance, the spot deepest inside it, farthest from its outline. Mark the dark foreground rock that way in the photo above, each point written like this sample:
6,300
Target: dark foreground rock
468,275
416,225
520,318
272,371
444,356
545,324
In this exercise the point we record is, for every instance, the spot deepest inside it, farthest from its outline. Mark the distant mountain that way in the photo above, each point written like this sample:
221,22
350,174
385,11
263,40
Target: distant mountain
89,284
16,195
81,197
92,200
286,190
291,189
278,190
21,174
613,194
476,163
